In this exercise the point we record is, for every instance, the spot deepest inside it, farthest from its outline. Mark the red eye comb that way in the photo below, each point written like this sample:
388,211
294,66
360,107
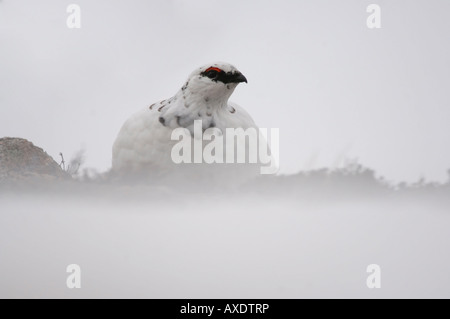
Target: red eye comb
213,69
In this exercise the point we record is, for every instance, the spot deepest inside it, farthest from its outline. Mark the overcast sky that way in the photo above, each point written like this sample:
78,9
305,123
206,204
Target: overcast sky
333,87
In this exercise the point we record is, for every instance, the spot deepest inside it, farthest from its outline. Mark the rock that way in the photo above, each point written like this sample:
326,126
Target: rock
20,160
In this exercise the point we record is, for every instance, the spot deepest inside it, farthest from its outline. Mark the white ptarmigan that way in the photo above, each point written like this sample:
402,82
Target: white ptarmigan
143,146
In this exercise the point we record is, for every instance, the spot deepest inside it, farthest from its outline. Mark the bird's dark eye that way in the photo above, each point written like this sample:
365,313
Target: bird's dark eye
212,74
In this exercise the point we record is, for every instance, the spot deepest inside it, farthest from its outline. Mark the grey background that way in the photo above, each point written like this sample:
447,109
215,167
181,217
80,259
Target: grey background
336,89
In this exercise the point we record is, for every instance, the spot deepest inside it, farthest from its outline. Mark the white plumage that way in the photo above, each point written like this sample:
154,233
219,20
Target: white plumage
143,146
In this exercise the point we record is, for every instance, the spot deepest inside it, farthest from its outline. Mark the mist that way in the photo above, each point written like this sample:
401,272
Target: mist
304,236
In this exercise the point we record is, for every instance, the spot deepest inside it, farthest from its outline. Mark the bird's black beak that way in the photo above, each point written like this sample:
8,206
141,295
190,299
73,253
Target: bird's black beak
238,77
230,77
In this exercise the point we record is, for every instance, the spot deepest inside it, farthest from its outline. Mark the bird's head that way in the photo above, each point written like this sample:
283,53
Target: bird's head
215,81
